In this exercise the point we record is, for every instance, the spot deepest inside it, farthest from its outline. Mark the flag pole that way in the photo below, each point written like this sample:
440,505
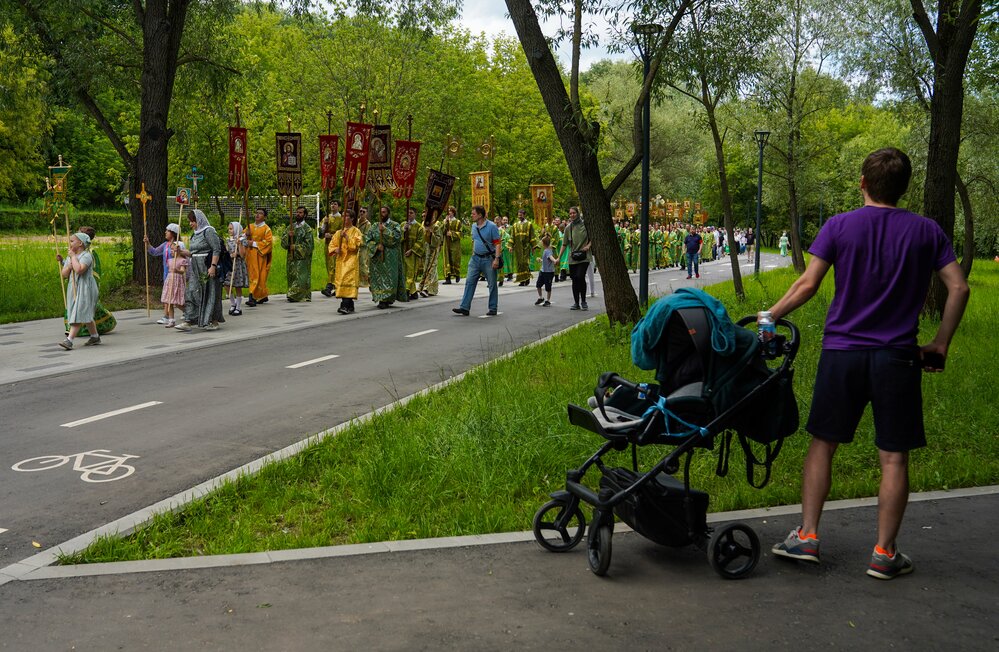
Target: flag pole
145,197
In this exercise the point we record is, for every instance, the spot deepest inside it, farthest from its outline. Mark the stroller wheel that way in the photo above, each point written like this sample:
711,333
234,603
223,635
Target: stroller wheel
598,552
557,528
734,551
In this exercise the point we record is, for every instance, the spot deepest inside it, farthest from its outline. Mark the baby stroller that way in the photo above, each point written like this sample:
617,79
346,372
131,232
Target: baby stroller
716,380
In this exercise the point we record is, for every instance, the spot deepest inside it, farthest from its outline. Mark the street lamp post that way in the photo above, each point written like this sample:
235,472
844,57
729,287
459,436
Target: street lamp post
761,140
647,38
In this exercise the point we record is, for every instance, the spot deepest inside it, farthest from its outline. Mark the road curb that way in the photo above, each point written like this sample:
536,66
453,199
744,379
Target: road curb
46,572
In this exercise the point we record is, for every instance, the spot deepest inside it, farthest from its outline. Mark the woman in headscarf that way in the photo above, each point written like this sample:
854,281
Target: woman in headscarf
237,278
102,316
81,290
203,296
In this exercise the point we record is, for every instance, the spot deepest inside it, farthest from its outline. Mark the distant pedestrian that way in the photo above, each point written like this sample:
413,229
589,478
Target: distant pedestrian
237,278
692,244
576,241
81,290
783,244
547,274
203,295
485,260
750,243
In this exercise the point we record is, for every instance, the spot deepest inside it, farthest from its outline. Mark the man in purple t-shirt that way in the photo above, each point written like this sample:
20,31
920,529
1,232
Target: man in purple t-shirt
869,350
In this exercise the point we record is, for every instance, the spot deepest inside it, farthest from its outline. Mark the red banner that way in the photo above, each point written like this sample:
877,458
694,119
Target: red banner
356,151
407,155
329,147
239,176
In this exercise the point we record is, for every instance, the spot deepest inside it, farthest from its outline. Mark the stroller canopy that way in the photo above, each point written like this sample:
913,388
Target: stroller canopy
689,339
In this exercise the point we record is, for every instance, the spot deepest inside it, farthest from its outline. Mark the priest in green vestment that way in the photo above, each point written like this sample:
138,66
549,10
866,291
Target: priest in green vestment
299,263
383,242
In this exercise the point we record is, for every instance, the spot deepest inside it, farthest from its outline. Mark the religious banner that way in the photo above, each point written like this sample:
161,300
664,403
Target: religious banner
480,188
380,160
407,155
439,187
543,201
289,163
239,175
329,148
183,196
356,152
630,209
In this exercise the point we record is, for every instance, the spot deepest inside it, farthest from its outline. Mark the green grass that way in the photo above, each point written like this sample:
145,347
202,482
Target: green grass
482,454
29,276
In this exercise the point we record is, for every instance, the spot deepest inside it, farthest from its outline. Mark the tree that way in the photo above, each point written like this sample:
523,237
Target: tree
579,136
949,43
97,46
23,83
792,87
714,57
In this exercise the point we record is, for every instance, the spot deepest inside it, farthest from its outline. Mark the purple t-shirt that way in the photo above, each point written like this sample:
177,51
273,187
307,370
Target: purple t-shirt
883,259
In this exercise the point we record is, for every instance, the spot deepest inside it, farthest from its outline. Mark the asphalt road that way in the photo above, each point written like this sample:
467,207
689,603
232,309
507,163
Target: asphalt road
223,406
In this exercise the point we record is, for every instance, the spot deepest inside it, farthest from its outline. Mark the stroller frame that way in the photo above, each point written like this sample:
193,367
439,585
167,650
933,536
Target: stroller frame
733,551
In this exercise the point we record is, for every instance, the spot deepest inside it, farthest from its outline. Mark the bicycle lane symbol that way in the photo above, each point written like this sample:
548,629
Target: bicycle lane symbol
105,468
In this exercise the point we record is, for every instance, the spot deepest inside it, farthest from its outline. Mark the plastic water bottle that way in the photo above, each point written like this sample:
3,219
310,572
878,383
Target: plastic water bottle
767,330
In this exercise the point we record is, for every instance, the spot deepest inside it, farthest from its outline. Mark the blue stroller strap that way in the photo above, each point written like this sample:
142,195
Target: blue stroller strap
660,406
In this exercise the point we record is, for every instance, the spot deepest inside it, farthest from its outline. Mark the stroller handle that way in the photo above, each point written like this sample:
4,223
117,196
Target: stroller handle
791,346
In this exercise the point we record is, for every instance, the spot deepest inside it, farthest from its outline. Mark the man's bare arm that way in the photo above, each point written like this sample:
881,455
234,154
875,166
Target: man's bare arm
802,289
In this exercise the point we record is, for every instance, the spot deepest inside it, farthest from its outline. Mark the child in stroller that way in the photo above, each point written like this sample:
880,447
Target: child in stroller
715,378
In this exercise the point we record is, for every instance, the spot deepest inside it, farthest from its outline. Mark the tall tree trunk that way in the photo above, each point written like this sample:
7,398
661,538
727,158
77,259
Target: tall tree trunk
162,25
949,45
726,200
579,140
968,253
793,137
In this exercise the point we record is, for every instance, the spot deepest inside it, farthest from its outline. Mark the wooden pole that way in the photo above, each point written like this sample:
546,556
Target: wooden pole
291,217
144,197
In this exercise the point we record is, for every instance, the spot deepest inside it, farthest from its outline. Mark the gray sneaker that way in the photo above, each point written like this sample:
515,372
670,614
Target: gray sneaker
67,344
794,547
93,341
886,567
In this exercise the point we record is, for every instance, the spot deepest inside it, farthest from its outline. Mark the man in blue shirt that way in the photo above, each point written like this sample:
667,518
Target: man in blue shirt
485,260
693,244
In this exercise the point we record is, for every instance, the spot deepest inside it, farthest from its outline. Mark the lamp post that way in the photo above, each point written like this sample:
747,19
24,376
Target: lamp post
761,140
647,38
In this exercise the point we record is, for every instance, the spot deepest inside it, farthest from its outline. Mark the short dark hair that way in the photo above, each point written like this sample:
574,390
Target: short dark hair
480,209
262,210
305,210
886,175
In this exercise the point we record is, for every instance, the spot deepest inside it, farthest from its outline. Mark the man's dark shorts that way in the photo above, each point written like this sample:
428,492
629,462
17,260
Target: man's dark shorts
889,379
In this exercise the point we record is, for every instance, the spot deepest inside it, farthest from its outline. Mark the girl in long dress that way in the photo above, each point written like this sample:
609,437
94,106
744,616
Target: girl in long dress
81,290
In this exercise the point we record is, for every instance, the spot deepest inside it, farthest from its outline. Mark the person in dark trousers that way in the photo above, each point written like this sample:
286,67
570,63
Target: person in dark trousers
869,348
692,243
577,243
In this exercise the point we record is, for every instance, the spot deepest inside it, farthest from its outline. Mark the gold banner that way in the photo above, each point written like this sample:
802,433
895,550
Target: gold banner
543,202
480,188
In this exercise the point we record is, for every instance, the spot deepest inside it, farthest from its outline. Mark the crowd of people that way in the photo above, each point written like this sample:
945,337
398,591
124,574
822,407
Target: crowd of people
397,261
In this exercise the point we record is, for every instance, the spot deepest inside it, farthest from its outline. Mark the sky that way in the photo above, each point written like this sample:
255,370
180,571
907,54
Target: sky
489,16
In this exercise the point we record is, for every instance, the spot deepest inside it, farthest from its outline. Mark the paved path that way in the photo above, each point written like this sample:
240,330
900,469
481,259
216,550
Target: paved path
516,596
192,406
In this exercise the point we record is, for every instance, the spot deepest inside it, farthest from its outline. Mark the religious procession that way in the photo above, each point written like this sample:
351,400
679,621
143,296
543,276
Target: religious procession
362,244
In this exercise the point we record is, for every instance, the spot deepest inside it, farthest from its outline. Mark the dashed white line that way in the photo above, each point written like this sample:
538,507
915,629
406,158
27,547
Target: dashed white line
308,362
113,413
2,530
488,316
426,332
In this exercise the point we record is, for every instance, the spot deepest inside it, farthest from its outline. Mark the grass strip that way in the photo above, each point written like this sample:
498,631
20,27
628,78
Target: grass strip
481,455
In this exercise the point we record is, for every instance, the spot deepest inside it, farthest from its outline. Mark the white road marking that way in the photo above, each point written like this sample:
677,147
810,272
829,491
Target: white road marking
113,413
308,362
426,332
2,530
488,316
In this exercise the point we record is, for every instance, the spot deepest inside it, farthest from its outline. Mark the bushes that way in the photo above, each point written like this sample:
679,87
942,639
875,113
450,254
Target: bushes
29,219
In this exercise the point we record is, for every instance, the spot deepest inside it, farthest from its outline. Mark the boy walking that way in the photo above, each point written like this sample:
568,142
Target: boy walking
547,275
869,350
